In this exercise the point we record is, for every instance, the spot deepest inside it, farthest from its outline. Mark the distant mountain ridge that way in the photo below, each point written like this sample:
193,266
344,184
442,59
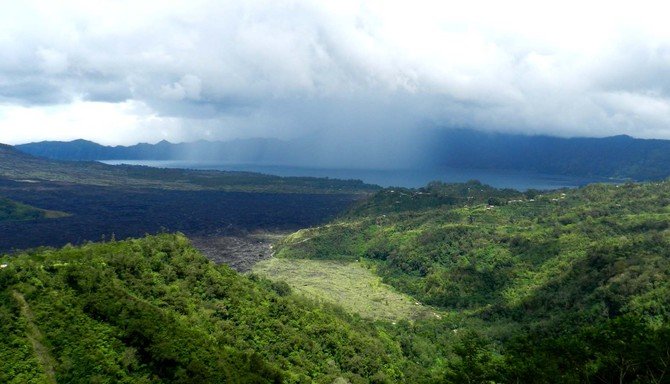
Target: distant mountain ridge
616,156
17,166
248,149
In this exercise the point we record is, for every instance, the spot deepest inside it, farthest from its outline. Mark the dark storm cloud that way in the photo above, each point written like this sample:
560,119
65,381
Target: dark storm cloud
350,71
33,92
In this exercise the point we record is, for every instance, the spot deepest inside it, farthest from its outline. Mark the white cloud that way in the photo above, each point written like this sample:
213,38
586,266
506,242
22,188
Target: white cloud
107,123
52,62
218,69
189,87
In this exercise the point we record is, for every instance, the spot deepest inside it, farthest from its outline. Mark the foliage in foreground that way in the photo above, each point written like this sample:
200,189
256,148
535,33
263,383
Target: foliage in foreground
155,310
568,286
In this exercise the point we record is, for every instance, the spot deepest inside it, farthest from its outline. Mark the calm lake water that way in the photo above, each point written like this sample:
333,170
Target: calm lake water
388,178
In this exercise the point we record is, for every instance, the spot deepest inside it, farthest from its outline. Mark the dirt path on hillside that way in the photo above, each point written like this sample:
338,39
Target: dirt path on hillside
35,336
238,252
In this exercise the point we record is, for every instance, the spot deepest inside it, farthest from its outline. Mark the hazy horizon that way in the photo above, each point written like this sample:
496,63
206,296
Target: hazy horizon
373,74
154,142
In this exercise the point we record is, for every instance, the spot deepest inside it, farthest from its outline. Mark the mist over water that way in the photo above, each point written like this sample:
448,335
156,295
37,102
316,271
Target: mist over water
409,178
344,149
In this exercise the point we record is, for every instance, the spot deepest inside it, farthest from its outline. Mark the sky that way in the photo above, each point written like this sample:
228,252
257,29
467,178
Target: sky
122,72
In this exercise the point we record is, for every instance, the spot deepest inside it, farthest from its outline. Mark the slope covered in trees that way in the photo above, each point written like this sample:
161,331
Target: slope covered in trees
155,310
568,286
616,156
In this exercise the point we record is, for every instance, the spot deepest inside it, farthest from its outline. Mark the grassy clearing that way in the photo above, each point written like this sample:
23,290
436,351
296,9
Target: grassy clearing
14,211
55,214
353,286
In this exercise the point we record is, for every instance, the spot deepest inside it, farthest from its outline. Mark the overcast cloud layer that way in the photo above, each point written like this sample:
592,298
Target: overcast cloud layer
120,72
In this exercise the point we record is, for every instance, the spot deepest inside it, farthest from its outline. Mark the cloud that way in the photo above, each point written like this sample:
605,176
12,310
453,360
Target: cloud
348,69
51,61
189,87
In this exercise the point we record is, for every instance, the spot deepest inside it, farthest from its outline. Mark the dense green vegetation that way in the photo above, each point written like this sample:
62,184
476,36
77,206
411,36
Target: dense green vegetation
16,165
567,286
11,210
155,310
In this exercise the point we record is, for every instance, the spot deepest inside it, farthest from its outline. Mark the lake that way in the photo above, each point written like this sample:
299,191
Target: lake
410,178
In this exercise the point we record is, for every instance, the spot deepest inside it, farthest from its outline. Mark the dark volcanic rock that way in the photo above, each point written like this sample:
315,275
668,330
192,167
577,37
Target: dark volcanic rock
97,213
238,252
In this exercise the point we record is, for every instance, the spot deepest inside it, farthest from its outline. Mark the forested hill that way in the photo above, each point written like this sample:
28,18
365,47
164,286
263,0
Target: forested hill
567,287
617,156
154,310
248,150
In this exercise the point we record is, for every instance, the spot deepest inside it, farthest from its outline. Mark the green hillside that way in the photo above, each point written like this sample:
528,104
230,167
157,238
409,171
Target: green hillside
11,210
568,286
473,285
155,310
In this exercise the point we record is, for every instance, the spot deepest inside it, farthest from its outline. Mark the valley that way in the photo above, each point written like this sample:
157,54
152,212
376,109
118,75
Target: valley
100,212
562,286
297,280
87,201
155,310
315,192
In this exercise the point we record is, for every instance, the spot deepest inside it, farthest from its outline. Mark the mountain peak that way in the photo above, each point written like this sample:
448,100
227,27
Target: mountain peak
11,151
83,141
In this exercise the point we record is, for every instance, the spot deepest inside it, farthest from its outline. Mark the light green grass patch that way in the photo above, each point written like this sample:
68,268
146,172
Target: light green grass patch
353,286
55,214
